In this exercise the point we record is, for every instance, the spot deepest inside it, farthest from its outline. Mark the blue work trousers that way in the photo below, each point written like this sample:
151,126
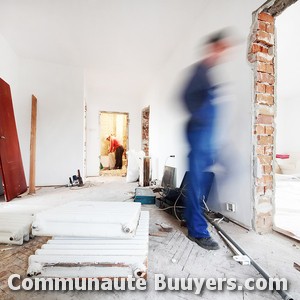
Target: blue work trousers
201,156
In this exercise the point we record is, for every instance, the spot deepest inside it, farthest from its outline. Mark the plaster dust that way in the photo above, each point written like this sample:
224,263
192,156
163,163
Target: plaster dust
170,253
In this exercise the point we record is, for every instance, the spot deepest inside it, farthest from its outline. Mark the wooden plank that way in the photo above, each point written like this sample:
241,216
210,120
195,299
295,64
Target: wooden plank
33,145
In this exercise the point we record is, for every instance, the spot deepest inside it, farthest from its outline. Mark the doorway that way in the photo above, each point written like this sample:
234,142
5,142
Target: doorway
287,176
263,60
115,125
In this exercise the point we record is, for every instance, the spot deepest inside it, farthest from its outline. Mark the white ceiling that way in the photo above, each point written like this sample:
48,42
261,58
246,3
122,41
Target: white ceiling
122,42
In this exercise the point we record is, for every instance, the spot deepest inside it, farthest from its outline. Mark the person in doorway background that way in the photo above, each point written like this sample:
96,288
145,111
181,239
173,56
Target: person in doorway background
198,98
118,149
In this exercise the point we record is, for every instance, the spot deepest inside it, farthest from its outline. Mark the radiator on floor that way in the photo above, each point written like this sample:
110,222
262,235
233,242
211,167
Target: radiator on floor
89,219
86,257
15,228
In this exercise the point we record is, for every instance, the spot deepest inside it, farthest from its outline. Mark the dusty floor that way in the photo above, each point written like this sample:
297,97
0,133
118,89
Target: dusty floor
170,253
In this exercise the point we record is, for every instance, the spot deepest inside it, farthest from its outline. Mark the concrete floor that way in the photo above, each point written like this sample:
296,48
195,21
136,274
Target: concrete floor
170,253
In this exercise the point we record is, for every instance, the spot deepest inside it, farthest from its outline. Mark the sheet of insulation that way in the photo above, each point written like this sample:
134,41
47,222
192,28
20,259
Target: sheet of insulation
88,219
15,228
70,257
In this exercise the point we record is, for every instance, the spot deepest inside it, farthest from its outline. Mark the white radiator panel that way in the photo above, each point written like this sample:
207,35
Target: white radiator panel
15,228
89,219
88,258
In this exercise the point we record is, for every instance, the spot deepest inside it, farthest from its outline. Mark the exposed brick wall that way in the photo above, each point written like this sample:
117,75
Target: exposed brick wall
145,130
261,55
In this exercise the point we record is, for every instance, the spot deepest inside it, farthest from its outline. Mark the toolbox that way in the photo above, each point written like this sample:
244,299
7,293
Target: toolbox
144,195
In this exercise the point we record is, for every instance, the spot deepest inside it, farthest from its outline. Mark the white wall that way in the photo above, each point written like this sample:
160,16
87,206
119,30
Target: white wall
288,74
8,64
167,116
99,99
60,95
59,90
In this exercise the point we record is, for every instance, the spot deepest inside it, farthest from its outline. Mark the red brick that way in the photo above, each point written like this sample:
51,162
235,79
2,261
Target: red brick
266,78
265,140
264,180
259,129
260,88
256,48
265,159
261,67
270,28
260,149
264,99
270,89
269,68
265,67
268,169
269,130
264,49
264,119
262,25
264,38
264,57
267,178
266,17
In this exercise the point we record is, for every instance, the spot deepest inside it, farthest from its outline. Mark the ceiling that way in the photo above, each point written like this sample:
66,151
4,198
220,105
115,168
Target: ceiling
123,42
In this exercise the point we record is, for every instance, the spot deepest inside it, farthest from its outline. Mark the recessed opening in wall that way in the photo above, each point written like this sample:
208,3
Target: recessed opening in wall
113,143
287,161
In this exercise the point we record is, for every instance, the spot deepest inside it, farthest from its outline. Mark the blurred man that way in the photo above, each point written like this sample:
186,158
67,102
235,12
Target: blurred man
198,97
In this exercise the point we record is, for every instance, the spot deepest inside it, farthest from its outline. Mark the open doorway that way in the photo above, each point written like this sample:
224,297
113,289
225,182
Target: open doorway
287,176
114,125
262,54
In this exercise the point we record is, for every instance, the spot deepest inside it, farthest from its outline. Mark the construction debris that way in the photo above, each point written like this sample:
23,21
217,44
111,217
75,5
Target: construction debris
165,227
297,266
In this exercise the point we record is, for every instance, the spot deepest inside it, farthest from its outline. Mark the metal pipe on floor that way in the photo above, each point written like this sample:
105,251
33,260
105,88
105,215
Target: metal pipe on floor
264,274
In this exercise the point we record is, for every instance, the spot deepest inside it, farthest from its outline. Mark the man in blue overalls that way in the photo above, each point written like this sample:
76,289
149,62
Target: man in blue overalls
198,97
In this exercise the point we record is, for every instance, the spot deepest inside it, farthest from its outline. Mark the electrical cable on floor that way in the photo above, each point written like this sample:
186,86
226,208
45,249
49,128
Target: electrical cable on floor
264,274
175,205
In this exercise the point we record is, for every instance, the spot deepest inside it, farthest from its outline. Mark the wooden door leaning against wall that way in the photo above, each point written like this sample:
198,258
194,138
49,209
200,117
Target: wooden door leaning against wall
11,164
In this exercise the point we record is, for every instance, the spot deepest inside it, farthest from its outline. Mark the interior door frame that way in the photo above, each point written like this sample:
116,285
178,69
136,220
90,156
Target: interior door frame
127,128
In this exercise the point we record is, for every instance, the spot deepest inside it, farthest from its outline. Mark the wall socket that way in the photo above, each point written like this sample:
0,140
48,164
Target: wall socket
231,207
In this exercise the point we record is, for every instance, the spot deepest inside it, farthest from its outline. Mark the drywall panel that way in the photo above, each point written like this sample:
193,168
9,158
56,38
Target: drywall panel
89,219
168,117
93,258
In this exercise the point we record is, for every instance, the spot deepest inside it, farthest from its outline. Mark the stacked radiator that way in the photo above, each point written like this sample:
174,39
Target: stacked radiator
15,228
91,240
